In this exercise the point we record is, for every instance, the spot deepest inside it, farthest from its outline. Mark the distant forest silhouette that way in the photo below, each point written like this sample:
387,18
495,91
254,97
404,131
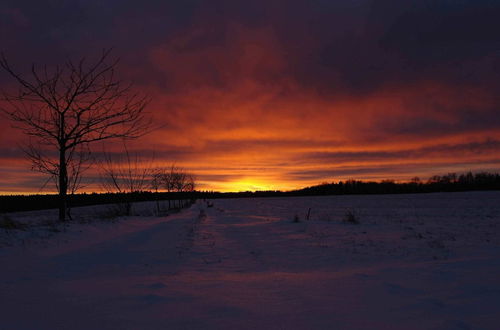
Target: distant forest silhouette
445,183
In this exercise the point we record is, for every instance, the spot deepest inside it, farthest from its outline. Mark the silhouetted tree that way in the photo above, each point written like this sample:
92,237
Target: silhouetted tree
72,106
156,185
169,178
434,179
173,180
125,174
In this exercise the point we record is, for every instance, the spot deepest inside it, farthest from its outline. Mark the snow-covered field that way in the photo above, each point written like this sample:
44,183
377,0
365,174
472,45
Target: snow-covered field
428,261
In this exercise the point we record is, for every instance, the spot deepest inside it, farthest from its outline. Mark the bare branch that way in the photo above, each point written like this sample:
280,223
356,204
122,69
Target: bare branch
69,107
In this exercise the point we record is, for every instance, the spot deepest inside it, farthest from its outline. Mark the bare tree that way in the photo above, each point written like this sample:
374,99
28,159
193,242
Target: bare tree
72,106
190,184
77,162
125,175
180,181
156,185
169,181
173,180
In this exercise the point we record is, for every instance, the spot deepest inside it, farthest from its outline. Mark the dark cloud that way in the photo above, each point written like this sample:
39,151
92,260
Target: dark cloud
330,45
488,147
407,41
441,31
460,120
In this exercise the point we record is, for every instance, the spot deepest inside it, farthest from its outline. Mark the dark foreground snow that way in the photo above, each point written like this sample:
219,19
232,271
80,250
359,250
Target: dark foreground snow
429,261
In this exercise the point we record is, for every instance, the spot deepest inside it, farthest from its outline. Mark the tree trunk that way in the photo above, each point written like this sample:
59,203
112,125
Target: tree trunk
63,184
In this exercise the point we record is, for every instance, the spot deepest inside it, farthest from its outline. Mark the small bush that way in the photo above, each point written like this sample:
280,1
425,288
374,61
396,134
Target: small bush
351,217
8,223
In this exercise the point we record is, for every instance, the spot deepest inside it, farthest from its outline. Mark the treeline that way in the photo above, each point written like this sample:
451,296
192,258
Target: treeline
446,183
450,182
14,203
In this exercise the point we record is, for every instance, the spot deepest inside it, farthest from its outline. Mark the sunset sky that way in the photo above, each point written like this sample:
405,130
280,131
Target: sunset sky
253,95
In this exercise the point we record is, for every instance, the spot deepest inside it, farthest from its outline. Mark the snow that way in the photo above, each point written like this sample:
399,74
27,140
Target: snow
425,261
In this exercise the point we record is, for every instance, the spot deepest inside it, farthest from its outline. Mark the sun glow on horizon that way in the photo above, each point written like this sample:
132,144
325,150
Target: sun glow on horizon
246,185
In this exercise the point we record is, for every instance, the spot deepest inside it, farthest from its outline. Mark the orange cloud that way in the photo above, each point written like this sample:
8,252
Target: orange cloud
233,112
